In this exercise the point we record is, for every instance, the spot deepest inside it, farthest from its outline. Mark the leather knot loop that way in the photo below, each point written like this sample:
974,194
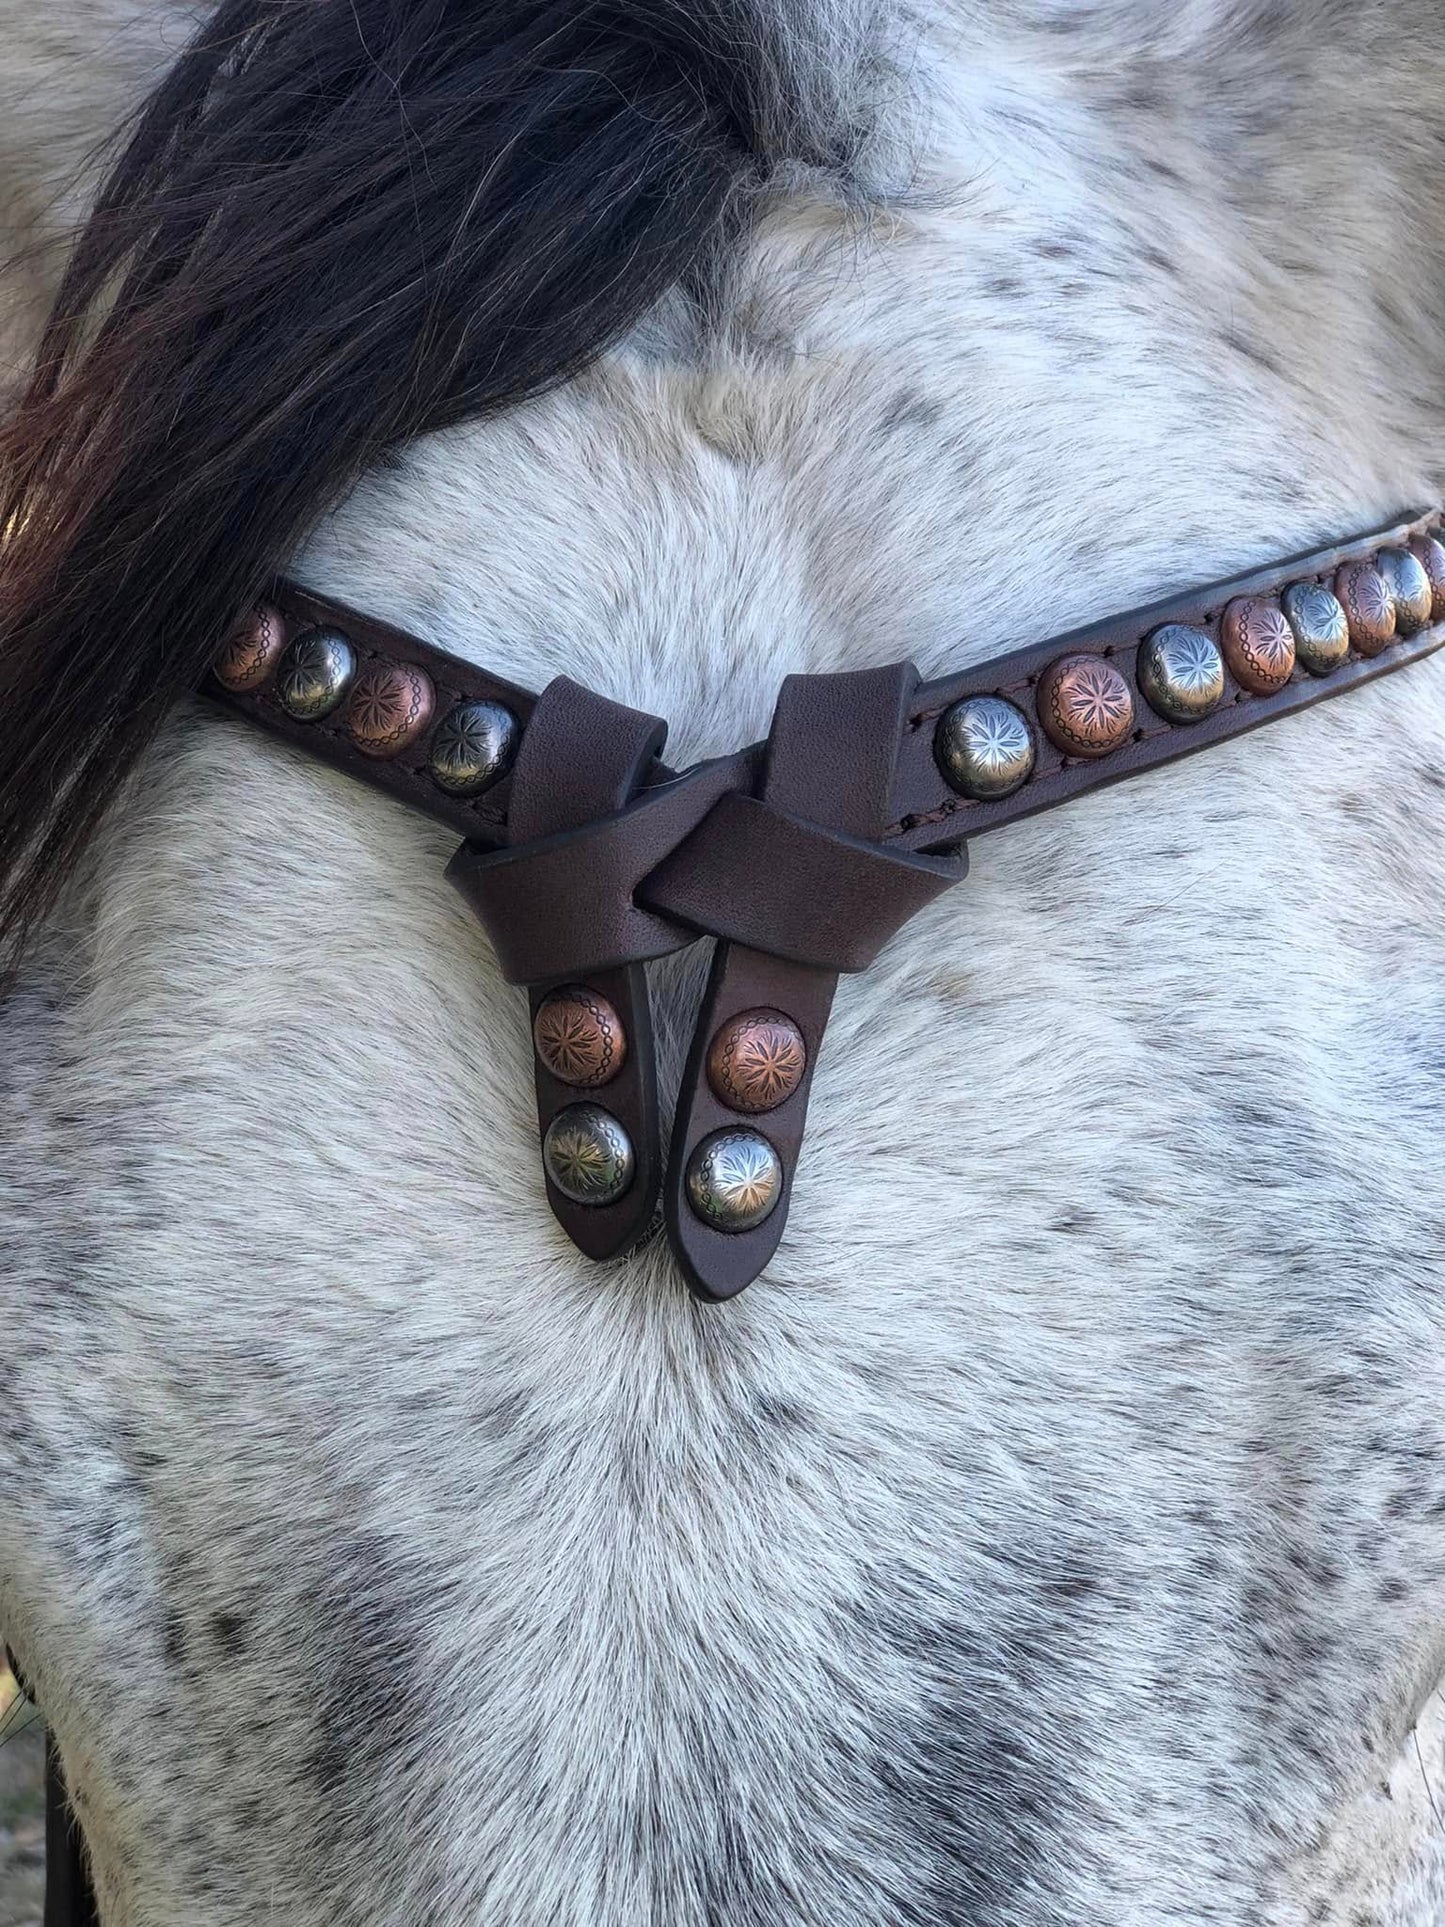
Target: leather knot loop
558,899
570,903
756,875
799,884
558,906
798,872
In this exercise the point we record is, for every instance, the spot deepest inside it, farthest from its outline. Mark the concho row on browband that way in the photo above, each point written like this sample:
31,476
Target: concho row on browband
585,856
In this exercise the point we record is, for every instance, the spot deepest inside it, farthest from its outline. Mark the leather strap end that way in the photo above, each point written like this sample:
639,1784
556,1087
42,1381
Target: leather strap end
581,761
718,1263
605,1230
805,849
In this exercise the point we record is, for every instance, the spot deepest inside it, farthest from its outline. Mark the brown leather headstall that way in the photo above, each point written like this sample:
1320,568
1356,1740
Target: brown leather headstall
585,856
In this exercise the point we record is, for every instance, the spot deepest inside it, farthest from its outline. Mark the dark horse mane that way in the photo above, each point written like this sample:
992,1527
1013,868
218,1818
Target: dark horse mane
337,225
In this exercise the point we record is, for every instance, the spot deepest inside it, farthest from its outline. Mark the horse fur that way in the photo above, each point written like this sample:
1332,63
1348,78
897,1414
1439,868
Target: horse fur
1056,1533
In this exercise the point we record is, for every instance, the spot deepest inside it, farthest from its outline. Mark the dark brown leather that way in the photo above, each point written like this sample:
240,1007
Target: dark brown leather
582,757
593,856
800,867
481,819
759,876
718,1265
570,904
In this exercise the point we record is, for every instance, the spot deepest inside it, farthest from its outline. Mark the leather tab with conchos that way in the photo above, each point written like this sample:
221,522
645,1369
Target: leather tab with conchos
798,887
580,761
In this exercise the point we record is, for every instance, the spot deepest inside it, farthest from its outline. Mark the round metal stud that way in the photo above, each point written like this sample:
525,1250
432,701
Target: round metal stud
1181,673
1409,586
473,747
579,1037
756,1061
1429,552
1258,644
1085,706
1317,622
389,707
1368,605
734,1180
984,747
251,651
315,674
588,1155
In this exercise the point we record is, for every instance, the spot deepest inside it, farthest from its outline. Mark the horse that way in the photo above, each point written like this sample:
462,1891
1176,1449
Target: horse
1055,1531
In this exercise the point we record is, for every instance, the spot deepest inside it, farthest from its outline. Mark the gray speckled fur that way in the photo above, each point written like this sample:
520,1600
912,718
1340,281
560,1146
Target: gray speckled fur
1056,1536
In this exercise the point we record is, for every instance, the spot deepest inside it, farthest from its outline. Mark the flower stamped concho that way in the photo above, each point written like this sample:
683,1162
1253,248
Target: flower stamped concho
579,1037
1258,644
389,707
756,1061
734,1180
588,1155
1085,706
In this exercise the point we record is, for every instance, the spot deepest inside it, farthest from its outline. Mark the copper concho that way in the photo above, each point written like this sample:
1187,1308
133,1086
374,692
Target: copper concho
1258,644
389,707
1368,605
756,1061
1429,552
1085,706
251,651
579,1037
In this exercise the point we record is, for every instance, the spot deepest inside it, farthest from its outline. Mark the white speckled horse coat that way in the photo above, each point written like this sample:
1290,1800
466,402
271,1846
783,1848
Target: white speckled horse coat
1055,1535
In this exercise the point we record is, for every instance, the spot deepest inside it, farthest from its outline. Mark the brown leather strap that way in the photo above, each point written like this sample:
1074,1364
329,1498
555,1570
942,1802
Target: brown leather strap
598,879
581,758
758,875
797,875
926,814
806,853
481,818
567,904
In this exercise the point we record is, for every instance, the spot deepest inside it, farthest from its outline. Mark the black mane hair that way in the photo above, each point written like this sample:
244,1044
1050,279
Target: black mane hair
338,224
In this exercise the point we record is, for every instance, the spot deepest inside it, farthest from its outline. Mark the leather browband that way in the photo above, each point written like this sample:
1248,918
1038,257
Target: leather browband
586,856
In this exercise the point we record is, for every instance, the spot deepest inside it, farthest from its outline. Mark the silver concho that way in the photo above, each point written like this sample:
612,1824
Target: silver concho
315,673
734,1180
473,746
1321,630
984,747
1409,588
588,1155
1180,672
